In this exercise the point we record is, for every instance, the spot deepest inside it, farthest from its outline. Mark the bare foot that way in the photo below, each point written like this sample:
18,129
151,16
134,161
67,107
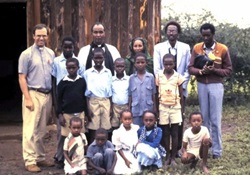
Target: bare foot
173,163
193,163
205,169
167,161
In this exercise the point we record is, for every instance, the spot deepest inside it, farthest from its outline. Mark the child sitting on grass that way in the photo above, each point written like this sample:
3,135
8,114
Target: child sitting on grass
196,142
149,150
101,155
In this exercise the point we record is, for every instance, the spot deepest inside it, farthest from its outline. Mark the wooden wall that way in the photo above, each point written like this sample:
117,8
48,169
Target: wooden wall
123,20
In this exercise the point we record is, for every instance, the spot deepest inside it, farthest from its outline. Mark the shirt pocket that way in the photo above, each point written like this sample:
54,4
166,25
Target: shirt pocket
149,90
149,105
134,92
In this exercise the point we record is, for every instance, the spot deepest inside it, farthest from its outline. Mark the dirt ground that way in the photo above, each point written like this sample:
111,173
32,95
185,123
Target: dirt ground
11,161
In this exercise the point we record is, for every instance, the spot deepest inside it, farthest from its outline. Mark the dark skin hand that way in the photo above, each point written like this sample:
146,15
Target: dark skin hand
207,69
62,120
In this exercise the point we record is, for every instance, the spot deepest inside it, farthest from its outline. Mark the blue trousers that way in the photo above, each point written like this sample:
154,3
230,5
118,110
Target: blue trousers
211,101
104,160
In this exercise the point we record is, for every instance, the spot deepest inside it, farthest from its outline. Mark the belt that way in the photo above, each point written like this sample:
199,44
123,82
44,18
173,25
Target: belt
44,91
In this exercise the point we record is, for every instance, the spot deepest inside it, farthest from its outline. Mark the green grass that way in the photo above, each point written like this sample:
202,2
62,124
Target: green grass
236,145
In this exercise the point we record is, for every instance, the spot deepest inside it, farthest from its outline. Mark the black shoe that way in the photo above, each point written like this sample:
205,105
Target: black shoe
153,168
216,157
60,165
144,167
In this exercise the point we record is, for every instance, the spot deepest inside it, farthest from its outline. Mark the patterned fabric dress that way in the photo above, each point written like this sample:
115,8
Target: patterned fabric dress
75,148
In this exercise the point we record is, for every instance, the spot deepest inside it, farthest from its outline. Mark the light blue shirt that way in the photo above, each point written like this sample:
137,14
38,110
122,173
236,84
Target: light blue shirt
141,92
36,64
59,70
98,83
120,90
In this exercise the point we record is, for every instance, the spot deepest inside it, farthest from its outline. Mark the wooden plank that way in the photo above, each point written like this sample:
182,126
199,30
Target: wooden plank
123,20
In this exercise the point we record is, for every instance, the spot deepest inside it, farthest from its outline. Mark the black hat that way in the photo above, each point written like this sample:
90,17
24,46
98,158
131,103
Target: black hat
201,60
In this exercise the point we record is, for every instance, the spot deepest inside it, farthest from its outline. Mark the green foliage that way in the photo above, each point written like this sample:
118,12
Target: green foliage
237,86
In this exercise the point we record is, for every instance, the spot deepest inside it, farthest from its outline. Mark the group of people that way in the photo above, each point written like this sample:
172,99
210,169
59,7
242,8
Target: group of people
110,98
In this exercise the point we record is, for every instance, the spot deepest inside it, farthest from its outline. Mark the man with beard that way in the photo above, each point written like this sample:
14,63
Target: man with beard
181,51
110,52
59,71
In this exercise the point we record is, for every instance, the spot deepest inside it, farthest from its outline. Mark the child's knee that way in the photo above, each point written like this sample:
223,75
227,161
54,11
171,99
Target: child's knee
206,141
109,151
98,156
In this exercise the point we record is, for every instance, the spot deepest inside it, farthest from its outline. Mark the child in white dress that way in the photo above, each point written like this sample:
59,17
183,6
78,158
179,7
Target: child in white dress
125,138
74,146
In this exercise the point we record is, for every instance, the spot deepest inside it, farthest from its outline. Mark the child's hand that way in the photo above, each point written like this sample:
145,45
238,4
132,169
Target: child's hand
86,121
127,162
90,114
184,157
72,165
110,172
101,170
61,120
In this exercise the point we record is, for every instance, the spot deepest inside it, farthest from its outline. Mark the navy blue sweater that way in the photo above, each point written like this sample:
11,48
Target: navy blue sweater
70,96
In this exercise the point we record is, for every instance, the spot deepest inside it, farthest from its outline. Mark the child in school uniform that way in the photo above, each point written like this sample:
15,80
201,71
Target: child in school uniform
120,83
142,89
99,82
70,99
169,83
196,142
125,147
149,150
74,147
101,154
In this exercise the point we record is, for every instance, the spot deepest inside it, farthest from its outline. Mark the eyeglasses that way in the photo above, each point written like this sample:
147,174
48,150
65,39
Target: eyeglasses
40,36
96,32
172,31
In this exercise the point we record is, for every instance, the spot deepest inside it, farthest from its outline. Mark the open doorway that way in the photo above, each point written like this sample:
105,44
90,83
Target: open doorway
13,33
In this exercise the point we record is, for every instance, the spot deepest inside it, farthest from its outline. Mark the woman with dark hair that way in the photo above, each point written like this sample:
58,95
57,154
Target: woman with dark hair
138,45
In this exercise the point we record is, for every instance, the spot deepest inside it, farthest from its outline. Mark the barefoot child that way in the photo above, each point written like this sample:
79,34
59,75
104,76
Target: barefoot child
149,150
74,146
170,96
196,142
125,138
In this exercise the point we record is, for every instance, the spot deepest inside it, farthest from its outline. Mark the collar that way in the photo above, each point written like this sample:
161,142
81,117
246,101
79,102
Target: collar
66,78
169,45
146,74
103,70
125,77
64,59
212,47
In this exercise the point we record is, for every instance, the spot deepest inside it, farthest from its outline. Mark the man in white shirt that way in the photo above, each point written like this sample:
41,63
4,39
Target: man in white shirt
111,53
